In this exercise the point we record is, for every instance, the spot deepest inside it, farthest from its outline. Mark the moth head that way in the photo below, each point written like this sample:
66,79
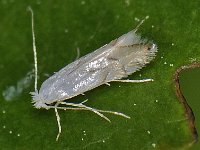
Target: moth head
151,49
38,100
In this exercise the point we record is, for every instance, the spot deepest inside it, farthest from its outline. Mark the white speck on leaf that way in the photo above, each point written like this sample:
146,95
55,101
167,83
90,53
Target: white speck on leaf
137,19
84,133
153,144
148,132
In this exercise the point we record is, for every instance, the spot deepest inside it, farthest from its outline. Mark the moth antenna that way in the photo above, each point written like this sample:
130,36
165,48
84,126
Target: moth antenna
34,46
141,22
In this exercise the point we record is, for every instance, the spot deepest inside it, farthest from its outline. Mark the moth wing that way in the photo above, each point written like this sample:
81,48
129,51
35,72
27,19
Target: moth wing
138,56
78,77
130,59
120,58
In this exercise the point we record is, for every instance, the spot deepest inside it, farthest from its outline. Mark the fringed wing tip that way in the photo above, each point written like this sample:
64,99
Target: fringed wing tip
152,52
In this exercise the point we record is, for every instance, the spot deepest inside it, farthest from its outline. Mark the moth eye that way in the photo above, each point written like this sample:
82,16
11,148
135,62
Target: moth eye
149,48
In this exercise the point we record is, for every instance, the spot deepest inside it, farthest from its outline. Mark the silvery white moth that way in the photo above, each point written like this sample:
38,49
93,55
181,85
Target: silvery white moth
111,62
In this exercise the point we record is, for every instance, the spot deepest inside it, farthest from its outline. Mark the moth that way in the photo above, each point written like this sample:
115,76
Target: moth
111,62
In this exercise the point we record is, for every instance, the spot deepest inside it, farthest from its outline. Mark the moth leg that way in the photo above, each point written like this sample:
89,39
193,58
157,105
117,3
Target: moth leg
107,84
67,108
134,81
97,111
113,112
103,111
81,105
84,101
58,121
108,111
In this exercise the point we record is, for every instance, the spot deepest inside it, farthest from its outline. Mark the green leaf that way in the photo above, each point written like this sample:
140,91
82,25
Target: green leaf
158,119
